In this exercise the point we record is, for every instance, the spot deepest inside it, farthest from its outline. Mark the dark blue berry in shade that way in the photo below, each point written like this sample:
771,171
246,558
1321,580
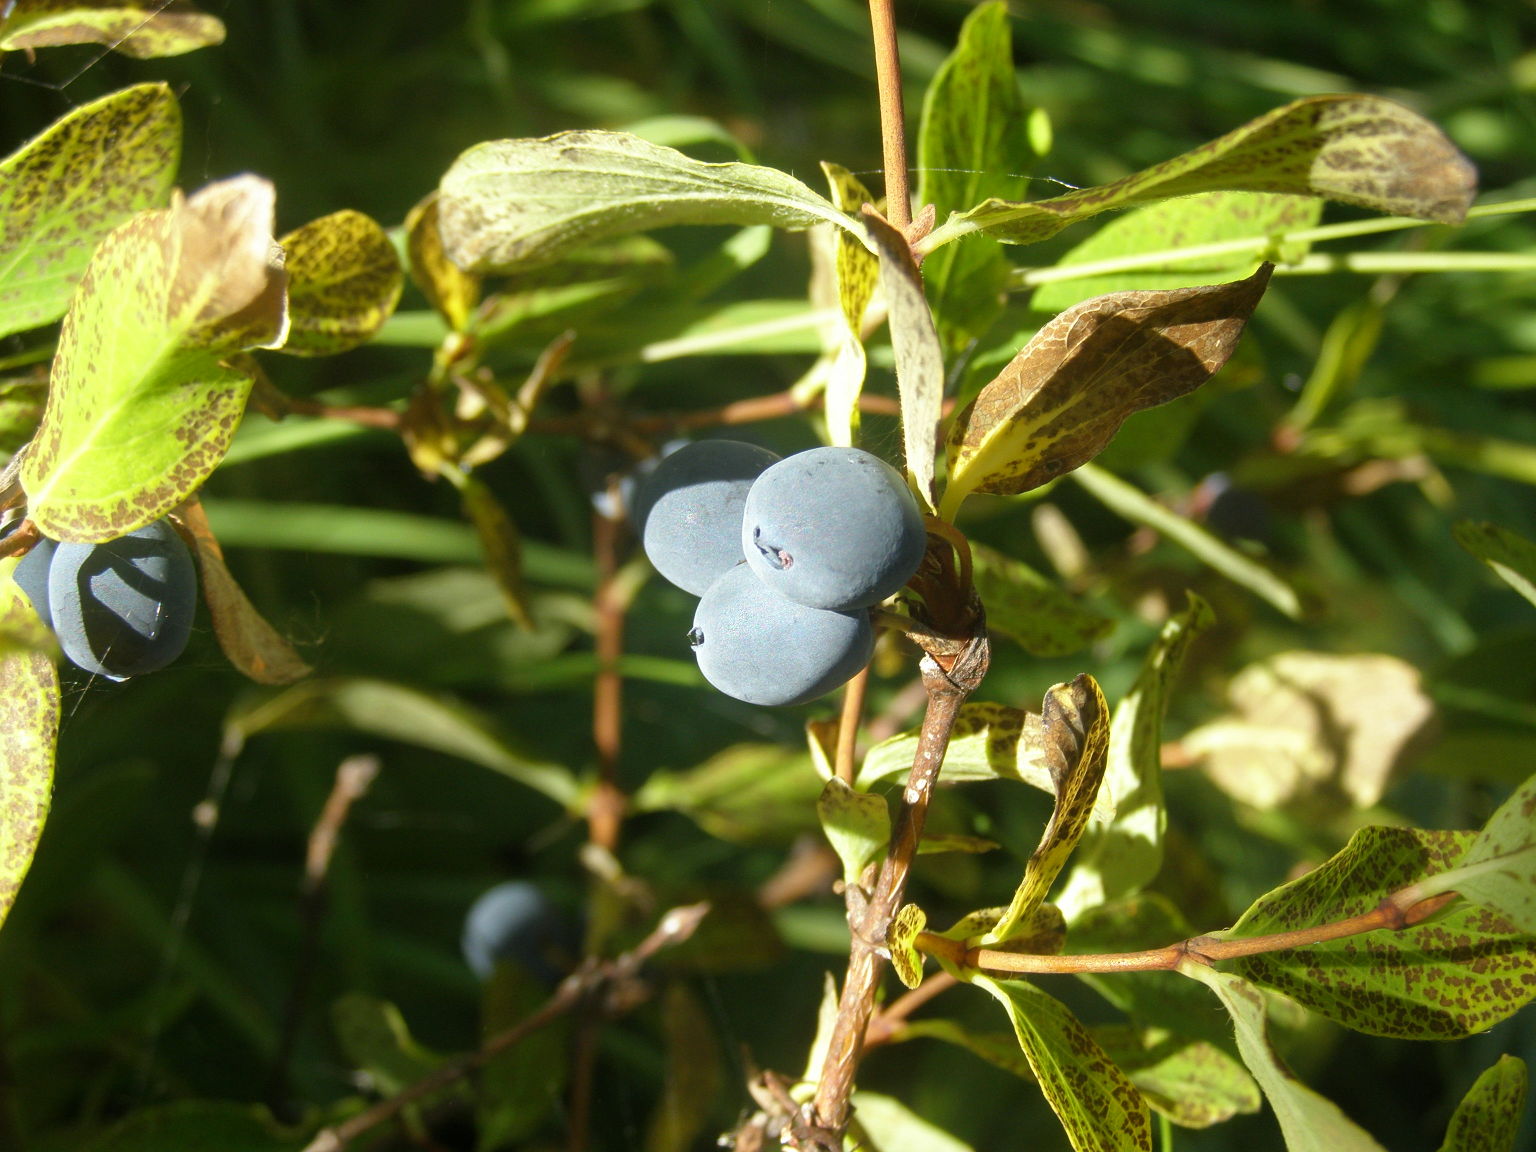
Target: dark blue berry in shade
833,528
689,509
753,644
515,923
124,607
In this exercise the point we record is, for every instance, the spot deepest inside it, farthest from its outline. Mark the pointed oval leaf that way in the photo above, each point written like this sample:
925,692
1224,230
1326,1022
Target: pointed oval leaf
447,287
857,825
1359,150
138,28
1488,1117
508,203
1062,398
142,402
344,280
61,192
29,724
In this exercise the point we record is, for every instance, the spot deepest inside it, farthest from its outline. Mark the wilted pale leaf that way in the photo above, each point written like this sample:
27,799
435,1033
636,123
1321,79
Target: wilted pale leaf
144,398
1510,555
919,359
856,274
1359,150
449,289
1458,973
507,203
61,192
1488,1117
138,28
1303,723
344,280
253,646
29,724
1063,397
988,742
1031,609
857,825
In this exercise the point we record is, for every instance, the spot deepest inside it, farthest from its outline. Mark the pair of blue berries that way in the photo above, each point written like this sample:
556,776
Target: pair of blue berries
787,556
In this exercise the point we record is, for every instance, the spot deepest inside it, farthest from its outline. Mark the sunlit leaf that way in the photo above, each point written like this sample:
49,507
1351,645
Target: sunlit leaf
138,28
1125,850
1488,1117
61,192
1458,973
988,742
1099,1108
1063,397
506,203
1512,556
1193,1083
745,794
1310,1123
1031,609
344,280
856,273
1359,150
857,825
885,1124
906,960
144,399
452,291
1498,871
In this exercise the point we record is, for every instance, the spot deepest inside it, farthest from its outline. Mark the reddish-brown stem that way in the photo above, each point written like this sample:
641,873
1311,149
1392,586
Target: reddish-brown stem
893,126
605,810
385,418
848,726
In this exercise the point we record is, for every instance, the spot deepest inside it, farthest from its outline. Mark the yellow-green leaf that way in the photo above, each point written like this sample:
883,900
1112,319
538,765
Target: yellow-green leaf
64,190
906,961
449,289
857,825
856,273
137,28
344,280
501,542
144,399
988,742
1488,1117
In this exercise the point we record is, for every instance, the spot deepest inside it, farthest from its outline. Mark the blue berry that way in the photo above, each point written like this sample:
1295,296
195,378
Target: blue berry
833,528
31,575
516,923
753,644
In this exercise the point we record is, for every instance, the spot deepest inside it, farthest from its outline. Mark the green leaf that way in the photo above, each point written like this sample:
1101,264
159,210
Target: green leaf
138,28
399,713
517,1089
1499,870
29,724
1511,556
1075,734
988,742
972,144
1031,609
1099,1108
375,1039
1460,972
1193,1083
1125,850
1063,397
856,273
1185,223
197,1126
744,794
1309,1122
508,203
344,280
885,1124
857,825
919,359
693,1074
906,960
501,542
1359,150
63,191
1488,1117
22,400
144,399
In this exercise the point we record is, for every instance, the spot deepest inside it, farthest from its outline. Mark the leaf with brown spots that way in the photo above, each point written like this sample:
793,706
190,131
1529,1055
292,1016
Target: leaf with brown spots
1309,1122
1101,1110
344,280
1488,1117
1359,150
906,960
856,274
1499,870
64,190
500,541
1458,973
988,742
1075,736
1063,397
138,28
145,395
449,289
29,724
1192,1082
252,645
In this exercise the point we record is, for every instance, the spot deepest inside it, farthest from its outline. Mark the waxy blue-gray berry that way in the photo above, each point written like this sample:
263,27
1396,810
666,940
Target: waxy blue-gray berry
515,922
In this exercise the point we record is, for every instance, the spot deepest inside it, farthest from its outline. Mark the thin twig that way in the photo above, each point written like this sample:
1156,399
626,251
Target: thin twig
893,128
844,756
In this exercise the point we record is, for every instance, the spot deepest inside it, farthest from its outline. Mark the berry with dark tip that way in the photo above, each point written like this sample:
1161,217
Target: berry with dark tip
689,509
833,528
515,923
126,606
755,645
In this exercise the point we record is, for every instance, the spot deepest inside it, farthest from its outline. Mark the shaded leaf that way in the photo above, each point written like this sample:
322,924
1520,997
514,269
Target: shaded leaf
197,1126
1304,723
1075,736
1063,397
1185,223
1125,850
1512,556
857,825
1193,1083
138,28
29,724
1488,1117
253,646
1100,1109
998,1048
375,1040
143,402
692,1078
1031,609
453,292
501,542
1359,150
856,274
885,1124
988,742
62,191
344,280
1460,972
745,794
906,960
1499,869
21,407
919,359
1310,1123
507,203
518,1089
